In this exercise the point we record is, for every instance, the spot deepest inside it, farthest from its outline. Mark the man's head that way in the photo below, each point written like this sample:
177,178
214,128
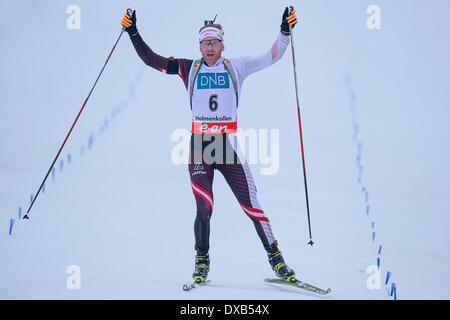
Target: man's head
211,42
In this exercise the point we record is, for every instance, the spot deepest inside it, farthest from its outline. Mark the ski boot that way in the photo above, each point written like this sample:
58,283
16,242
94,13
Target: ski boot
276,261
201,267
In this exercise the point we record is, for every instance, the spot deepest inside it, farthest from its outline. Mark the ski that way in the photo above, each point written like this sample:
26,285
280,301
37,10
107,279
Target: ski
299,284
194,284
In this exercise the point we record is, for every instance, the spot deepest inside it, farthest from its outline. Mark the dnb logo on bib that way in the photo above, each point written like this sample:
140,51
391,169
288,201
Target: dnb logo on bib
213,81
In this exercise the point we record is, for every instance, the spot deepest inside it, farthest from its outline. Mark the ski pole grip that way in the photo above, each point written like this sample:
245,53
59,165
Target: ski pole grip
129,12
291,9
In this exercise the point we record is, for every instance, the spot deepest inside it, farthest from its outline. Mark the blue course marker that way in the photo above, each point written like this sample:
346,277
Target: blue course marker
355,132
388,276
90,141
379,249
394,291
20,213
11,224
359,147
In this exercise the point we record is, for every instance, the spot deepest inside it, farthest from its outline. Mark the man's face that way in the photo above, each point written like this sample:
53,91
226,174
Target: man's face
211,49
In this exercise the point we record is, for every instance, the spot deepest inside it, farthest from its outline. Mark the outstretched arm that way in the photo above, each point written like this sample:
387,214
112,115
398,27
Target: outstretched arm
245,66
166,65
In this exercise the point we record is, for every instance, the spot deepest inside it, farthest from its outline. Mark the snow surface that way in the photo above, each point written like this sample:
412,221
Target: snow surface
375,115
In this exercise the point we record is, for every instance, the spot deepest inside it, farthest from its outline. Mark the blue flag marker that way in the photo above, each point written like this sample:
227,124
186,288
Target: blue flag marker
90,141
379,249
20,213
373,236
11,223
388,276
394,291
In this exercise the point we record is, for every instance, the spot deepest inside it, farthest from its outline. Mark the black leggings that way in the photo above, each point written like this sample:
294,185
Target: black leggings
220,152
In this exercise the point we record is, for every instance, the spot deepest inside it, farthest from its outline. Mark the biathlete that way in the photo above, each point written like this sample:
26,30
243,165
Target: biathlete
214,85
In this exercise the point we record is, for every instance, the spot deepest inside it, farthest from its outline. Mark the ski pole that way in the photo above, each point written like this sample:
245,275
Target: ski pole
71,128
301,135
